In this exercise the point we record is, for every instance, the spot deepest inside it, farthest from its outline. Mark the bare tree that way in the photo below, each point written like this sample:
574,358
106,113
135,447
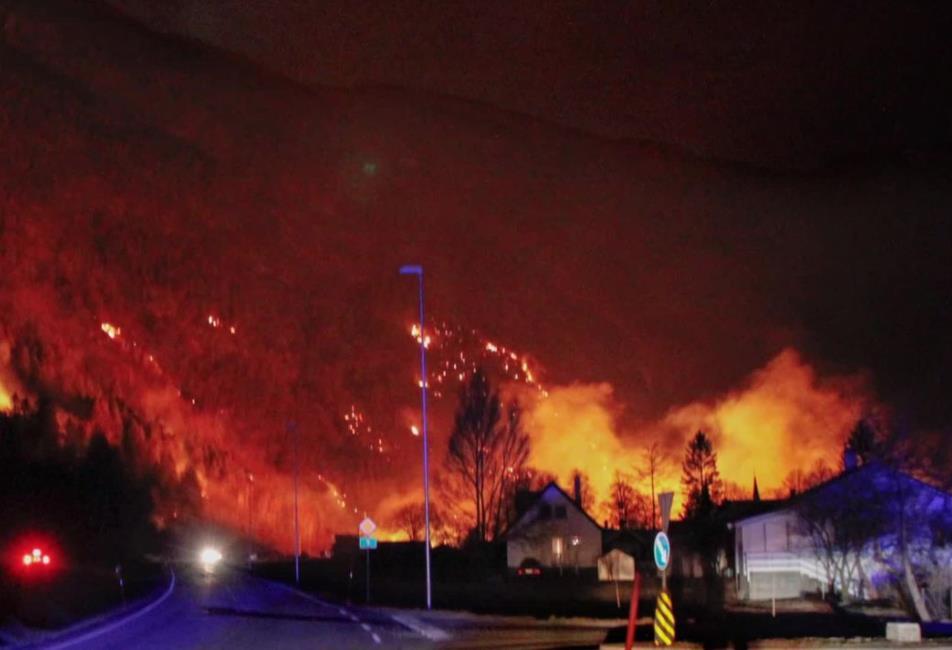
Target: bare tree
487,452
411,519
628,507
798,481
841,520
654,462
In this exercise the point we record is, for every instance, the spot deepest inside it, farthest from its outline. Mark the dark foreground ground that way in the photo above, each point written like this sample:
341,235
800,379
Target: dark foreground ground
708,624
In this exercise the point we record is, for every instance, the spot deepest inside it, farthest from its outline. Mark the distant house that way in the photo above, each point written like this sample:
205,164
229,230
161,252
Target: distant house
779,552
616,565
554,531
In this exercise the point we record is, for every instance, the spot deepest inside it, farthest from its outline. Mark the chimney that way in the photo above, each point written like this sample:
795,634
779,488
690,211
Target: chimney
850,460
577,490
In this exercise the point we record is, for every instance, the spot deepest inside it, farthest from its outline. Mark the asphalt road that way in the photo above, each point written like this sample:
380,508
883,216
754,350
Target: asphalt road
229,609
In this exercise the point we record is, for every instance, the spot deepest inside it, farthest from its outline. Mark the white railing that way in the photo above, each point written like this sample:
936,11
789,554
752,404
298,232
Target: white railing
783,562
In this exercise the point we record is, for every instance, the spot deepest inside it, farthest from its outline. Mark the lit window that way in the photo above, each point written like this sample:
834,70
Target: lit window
557,547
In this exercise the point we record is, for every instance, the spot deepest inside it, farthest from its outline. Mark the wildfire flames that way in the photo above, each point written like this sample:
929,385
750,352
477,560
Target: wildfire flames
784,418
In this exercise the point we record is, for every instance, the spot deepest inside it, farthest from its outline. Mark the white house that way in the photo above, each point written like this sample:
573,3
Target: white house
773,558
555,532
850,533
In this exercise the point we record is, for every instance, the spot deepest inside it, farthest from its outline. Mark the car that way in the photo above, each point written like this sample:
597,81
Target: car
529,568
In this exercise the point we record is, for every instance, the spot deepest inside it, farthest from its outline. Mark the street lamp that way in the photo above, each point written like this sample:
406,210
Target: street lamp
417,270
292,428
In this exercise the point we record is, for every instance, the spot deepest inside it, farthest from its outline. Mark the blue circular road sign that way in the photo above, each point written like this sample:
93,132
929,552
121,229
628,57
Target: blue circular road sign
662,551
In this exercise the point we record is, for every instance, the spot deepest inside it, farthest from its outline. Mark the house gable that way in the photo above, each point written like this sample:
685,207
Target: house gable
555,532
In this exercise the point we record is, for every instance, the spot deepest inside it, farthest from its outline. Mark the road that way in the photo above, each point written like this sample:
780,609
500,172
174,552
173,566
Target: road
229,609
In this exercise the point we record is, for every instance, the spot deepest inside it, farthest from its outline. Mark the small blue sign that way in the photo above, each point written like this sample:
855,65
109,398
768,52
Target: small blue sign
368,543
662,551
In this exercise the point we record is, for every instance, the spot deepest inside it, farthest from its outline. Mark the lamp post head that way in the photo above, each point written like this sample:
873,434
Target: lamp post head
411,269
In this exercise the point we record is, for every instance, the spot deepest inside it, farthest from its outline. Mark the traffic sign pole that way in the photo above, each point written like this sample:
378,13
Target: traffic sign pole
665,499
367,542
664,620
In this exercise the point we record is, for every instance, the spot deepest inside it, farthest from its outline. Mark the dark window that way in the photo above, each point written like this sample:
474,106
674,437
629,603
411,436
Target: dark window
560,512
545,511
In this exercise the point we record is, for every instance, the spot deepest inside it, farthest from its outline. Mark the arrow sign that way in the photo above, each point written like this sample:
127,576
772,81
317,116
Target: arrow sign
662,551
367,527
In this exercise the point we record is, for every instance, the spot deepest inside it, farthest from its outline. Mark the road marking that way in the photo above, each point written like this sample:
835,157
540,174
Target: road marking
375,637
343,612
427,631
365,626
92,634
354,618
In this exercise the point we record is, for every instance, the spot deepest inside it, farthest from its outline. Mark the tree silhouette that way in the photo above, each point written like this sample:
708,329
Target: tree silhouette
862,443
487,452
700,477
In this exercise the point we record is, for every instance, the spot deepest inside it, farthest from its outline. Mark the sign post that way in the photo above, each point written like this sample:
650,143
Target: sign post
665,499
367,542
664,620
664,608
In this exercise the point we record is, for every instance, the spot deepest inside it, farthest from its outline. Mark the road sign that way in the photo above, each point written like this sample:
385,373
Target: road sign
662,551
368,543
664,620
367,527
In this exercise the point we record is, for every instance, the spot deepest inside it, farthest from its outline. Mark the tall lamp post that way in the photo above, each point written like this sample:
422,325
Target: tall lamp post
417,270
292,428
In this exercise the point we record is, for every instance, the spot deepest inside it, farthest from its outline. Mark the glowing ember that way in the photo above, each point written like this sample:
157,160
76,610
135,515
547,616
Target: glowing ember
111,330
456,351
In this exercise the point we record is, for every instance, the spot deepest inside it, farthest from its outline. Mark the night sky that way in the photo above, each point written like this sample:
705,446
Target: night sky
845,259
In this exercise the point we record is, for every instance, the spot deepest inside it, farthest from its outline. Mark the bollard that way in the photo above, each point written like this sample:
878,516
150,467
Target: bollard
633,611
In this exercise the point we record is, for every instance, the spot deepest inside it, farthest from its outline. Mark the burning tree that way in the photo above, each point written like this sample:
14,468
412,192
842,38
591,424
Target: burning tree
487,452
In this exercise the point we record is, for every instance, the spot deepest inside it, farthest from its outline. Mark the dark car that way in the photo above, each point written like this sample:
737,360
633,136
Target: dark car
529,568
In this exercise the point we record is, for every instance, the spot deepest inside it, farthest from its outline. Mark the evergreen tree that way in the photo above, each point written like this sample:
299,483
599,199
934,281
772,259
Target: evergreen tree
863,443
700,478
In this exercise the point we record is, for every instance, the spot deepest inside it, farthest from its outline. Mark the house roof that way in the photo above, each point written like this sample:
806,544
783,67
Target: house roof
850,474
538,497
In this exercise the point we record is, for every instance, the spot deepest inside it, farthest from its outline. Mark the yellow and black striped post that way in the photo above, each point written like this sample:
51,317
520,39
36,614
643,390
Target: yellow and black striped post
664,620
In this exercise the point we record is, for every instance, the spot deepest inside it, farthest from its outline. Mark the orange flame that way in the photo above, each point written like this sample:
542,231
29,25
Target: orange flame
784,417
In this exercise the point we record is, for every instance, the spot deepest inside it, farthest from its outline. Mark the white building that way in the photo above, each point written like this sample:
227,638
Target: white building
555,532
782,554
773,558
